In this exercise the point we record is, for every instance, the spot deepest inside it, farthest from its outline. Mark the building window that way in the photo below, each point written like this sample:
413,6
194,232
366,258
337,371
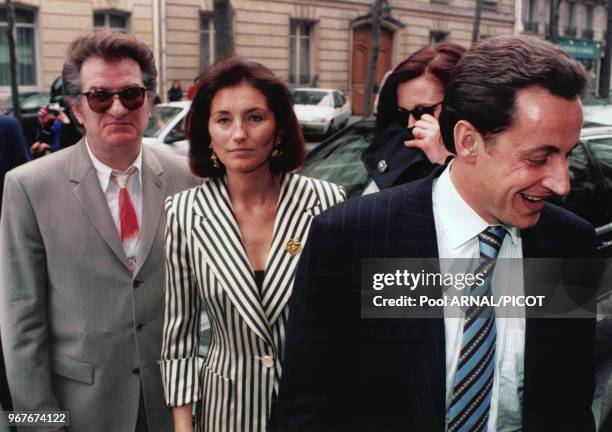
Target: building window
207,42
588,31
300,42
531,25
571,19
436,36
489,5
110,20
25,47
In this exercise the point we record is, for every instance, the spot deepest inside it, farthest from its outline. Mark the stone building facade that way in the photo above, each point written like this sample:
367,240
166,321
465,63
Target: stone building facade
306,42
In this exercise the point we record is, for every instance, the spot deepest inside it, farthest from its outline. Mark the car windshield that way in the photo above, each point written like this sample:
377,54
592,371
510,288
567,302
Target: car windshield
161,116
597,115
340,161
35,101
307,97
26,101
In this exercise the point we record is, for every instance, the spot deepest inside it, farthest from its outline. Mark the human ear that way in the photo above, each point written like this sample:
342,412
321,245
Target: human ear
466,140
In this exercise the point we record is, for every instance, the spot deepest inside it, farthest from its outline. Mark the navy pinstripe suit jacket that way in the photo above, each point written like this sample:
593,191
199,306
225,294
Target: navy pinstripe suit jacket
344,373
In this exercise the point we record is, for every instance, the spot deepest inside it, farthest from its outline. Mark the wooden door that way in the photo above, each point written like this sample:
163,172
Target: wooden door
362,44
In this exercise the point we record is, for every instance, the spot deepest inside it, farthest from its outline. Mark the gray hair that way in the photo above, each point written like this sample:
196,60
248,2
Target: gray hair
109,46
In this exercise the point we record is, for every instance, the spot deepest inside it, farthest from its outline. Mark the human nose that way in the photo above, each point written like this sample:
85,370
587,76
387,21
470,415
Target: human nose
558,179
411,120
239,132
117,109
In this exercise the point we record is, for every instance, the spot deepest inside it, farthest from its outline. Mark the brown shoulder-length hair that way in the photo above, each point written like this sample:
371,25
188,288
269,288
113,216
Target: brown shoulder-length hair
438,60
231,72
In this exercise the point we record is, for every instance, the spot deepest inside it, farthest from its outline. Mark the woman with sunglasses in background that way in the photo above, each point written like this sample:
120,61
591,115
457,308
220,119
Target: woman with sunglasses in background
407,142
232,246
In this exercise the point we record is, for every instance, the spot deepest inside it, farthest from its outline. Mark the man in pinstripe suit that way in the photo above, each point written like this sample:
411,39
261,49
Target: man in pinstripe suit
511,115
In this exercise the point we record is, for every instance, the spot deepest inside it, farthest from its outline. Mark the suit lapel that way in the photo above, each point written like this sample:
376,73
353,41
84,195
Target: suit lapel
153,195
296,207
415,236
89,194
218,235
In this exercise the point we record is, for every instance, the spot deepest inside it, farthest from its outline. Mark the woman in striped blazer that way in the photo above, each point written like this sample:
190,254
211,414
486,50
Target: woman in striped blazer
232,246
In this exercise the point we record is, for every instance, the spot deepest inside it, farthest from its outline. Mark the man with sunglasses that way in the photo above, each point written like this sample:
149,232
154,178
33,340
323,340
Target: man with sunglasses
81,256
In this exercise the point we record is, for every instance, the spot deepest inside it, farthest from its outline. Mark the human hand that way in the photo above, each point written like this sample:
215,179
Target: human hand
427,137
44,116
39,148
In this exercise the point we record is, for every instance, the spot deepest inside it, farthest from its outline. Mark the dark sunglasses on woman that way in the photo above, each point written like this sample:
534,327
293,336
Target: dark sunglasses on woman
402,114
101,100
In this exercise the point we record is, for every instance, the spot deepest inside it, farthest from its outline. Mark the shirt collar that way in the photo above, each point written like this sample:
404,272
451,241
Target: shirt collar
104,171
459,221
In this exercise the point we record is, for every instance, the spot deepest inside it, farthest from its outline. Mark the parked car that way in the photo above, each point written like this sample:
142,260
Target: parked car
29,103
320,111
338,159
597,115
166,127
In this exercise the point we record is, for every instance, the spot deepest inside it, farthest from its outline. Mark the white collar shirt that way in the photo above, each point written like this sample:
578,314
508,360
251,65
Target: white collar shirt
111,188
457,230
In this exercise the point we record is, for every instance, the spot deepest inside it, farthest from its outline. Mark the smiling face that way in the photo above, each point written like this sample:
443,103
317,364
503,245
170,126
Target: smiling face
519,168
117,130
423,91
242,128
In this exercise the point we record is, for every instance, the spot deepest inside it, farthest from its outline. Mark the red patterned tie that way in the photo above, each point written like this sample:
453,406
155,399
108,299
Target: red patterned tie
129,231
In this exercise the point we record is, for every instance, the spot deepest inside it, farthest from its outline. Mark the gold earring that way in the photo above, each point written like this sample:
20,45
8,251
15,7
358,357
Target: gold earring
215,160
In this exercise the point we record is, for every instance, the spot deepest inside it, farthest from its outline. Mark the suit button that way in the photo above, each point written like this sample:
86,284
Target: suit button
267,361
139,327
136,371
136,283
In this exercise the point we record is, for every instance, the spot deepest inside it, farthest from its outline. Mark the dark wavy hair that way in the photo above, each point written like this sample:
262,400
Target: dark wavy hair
438,60
231,72
483,87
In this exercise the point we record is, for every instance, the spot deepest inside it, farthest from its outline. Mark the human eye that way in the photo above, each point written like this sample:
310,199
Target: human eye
538,159
255,118
223,120
537,162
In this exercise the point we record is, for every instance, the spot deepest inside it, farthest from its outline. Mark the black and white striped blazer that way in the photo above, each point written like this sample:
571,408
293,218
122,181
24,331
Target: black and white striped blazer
206,263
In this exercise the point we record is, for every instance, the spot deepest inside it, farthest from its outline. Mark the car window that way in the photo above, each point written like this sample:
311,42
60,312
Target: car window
35,101
178,131
161,116
337,100
601,149
584,198
307,97
340,161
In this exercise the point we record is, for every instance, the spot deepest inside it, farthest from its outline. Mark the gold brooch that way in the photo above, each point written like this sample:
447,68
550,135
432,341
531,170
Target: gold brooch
293,246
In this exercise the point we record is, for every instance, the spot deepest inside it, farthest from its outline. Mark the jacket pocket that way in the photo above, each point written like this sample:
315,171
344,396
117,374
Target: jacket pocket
72,369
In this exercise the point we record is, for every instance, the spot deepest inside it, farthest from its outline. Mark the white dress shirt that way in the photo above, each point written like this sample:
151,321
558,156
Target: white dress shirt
457,229
111,189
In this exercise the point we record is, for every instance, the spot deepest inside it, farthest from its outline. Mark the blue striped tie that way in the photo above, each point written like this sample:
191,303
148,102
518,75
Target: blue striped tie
473,386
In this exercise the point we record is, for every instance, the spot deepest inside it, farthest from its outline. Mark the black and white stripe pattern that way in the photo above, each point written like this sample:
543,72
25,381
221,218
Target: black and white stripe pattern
206,264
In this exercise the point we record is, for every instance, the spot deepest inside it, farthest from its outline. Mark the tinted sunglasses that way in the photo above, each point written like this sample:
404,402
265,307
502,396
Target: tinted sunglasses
100,101
403,114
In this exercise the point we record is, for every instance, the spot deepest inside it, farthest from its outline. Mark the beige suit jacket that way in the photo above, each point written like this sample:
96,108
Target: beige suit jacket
80,331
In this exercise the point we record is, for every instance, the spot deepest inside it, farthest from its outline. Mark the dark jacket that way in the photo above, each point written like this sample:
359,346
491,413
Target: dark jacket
390,163
347,373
